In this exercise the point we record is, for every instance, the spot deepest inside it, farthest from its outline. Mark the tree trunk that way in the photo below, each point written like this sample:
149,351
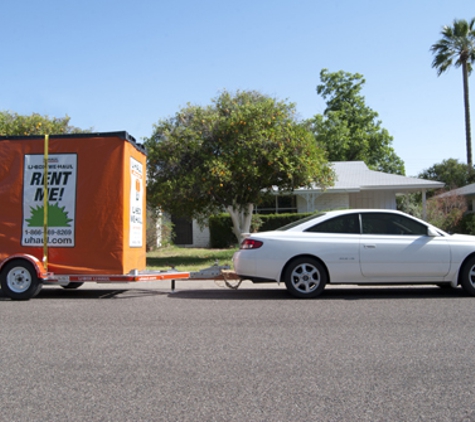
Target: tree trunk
241,219
468,135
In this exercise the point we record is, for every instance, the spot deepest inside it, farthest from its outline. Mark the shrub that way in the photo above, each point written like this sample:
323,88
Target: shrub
220,232
159,230
467,224
446,211
410,203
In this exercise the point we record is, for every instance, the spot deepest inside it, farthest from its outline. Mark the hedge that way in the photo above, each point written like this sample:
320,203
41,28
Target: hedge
467,225
221,226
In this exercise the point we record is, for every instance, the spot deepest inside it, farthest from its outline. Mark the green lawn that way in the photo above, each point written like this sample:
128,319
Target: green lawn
188,259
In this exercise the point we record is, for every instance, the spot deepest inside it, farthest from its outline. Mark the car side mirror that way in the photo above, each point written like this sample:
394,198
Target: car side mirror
431,232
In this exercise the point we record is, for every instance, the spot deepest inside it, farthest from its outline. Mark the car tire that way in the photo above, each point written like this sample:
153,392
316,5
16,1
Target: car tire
19,280
305,277
72,285
467,276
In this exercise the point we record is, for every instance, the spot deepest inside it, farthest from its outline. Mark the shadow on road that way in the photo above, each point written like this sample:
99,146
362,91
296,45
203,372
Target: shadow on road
85,293
330,293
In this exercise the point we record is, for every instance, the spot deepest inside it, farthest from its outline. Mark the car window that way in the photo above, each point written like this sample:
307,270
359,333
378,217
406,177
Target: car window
298,222
392,224
344,224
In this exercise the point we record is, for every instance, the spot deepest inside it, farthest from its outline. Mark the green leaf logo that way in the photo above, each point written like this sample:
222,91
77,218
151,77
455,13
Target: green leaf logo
57,217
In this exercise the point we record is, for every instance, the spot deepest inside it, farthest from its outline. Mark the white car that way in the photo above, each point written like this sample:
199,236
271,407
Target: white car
357,247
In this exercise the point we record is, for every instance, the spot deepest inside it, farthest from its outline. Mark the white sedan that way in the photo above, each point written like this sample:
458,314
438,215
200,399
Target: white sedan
357,247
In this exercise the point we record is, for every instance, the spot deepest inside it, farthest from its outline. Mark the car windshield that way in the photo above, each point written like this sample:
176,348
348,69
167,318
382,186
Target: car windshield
297,222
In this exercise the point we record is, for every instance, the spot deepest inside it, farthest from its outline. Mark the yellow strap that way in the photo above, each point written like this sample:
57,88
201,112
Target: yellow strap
45,205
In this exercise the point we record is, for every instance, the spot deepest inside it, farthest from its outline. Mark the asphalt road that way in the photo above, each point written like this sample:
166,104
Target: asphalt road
206,353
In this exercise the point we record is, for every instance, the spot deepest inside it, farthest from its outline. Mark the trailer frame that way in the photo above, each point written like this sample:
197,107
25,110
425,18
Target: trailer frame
22,277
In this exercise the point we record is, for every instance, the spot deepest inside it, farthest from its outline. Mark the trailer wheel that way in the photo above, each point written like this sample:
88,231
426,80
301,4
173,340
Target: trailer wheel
72,285
19,281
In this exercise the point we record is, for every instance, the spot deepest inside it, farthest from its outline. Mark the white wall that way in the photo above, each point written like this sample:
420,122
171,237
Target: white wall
309,202
200,236
332,201
373,199
322,201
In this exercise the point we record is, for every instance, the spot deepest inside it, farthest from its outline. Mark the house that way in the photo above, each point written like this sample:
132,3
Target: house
467,191
356,186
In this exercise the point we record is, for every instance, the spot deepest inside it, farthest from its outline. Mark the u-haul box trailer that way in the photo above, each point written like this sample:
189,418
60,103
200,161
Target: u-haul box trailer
72,210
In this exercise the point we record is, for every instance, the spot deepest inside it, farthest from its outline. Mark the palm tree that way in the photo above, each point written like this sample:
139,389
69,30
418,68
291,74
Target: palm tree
457,47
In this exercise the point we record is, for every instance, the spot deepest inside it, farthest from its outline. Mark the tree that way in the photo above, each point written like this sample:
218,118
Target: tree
457,47
453,173
348,129
230,155
13,124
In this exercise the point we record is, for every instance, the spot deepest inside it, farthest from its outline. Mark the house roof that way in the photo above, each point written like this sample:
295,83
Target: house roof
463,191
355,176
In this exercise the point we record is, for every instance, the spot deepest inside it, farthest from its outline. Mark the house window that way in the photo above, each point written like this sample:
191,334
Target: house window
277,205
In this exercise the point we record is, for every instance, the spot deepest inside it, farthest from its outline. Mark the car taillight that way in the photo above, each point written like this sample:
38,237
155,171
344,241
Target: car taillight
251,244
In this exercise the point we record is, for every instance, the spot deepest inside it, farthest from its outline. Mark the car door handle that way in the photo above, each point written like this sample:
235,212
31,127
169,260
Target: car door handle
370,246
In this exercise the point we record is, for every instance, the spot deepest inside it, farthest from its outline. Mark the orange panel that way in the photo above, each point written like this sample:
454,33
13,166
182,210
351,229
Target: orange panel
90,202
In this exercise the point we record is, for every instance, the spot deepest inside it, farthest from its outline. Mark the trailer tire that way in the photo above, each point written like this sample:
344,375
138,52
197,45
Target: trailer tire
72,285
19,280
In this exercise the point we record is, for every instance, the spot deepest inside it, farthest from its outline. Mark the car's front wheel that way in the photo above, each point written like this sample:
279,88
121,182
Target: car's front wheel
467,276
305,277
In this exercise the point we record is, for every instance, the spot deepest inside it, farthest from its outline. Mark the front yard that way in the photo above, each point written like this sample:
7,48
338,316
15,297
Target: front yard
188,259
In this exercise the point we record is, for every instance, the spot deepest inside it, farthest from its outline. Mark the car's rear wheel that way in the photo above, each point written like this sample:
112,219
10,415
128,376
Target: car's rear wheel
467,276
305,277
19,281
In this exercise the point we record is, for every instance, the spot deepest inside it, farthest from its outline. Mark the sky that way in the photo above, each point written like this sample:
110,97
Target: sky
114,65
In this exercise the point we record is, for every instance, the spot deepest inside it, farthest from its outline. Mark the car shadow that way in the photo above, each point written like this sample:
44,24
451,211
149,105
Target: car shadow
330,293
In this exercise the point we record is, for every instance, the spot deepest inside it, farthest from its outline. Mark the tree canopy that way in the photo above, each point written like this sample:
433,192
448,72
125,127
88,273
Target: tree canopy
457,48
229,155
348,129
451,172
13,124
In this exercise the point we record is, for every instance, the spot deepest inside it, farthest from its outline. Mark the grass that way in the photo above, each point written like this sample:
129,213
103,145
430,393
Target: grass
188,259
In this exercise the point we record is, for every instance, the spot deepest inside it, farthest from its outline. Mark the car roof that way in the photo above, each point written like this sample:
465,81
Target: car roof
326,215
361,210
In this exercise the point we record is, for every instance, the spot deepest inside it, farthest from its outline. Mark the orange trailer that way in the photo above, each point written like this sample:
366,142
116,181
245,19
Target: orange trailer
84,194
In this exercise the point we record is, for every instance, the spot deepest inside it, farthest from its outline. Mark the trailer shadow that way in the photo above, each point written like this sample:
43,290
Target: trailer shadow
85,293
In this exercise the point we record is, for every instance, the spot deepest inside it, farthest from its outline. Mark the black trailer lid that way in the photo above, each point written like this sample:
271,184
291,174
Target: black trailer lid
120,134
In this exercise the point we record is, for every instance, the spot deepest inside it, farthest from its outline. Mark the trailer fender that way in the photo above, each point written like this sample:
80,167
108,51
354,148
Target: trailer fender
41,273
